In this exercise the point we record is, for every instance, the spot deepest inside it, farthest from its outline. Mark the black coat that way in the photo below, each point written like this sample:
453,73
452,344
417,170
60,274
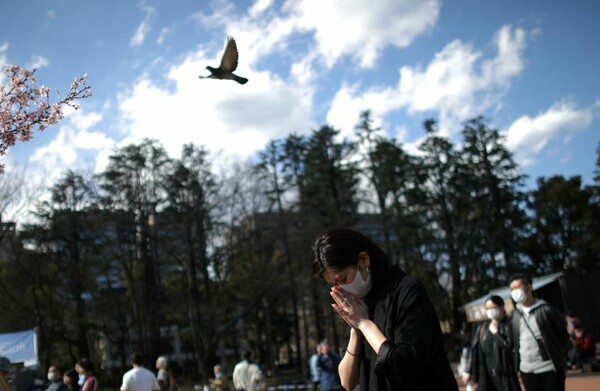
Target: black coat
492,360
413,357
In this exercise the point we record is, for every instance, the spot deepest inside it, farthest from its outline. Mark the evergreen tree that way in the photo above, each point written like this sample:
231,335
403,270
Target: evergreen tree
190,215
328,184
328,188
444,200
491,181
563,227
134,183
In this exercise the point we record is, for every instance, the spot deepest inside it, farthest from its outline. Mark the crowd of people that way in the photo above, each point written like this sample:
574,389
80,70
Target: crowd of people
82,377
247,376
79,378
394,341
536,342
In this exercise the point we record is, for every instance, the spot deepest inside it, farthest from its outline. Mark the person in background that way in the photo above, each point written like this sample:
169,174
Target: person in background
163,376
328,363
81,376
70,379
139,378
313,366
6,382
247,375
583,350
572,319
55,380
491,365
219,382
539,337
85,368
396,342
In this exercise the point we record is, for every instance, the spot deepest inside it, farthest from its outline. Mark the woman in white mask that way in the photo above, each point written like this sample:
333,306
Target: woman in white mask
395,339
491,364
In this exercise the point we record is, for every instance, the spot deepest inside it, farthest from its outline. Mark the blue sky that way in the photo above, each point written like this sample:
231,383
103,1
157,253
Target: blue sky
531,67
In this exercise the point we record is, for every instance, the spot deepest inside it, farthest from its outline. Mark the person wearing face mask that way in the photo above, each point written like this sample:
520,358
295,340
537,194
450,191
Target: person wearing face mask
539,336
55,380
491,365
86,368
395,340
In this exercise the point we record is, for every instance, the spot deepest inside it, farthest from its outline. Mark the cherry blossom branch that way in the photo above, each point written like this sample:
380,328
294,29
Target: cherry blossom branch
25,108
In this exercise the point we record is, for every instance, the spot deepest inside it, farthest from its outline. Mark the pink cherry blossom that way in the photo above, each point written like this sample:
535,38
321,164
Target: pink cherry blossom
25,108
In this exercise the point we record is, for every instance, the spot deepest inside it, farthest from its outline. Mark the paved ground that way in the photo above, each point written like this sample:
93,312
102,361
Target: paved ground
577,382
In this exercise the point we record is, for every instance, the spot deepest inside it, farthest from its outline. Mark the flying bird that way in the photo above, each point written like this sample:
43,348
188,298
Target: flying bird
229,62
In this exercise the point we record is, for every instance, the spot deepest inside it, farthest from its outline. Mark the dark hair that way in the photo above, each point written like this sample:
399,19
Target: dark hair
339,248
137,358
86,364
520,276
246,354
496,300
73,375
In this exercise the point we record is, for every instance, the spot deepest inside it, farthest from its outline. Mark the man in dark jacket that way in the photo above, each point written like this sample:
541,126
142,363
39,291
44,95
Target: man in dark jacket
539,336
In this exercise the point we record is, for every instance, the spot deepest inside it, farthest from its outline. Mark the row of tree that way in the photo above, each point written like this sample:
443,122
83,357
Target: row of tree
156,246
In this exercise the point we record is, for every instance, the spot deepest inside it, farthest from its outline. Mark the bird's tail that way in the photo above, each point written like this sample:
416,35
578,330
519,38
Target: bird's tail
241,80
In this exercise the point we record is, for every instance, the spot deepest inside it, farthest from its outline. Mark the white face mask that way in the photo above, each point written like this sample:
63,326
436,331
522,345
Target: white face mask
359,287
493,313
518,295
50,376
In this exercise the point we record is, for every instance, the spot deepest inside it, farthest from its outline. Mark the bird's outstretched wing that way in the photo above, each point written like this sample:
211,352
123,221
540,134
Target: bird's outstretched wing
230,56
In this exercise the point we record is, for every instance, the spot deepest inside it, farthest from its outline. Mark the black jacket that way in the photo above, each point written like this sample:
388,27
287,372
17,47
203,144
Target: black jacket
413,357
553,328
500,374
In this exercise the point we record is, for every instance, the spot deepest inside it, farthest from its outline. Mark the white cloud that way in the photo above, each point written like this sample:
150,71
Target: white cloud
58,153
73,140
527,136
302,70
85,139
361,28
140,34
457,84
103,158
144,27
221,115
258,36
83,121
346,107
163,35
260,6
38,62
